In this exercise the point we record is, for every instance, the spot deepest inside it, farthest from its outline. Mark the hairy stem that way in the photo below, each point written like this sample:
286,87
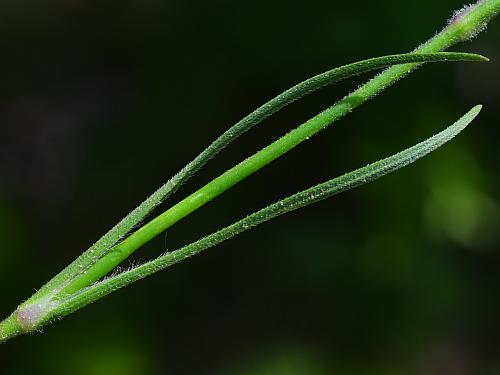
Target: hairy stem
464,25
214,188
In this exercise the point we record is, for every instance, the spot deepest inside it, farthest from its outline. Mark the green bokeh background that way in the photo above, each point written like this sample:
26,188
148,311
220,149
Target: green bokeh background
103,101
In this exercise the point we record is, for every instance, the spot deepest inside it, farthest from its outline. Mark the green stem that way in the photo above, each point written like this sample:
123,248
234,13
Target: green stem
10,328
463,26
217,186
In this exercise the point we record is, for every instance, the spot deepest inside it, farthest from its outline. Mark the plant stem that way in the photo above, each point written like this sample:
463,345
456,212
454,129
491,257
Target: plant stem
217,186
9,328
464,25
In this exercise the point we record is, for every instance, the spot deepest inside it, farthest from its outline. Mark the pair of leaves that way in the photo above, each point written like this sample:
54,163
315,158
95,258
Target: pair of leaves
108,252
77,285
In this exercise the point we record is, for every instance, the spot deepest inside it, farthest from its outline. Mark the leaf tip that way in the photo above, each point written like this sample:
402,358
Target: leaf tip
477,57
466,119
476,109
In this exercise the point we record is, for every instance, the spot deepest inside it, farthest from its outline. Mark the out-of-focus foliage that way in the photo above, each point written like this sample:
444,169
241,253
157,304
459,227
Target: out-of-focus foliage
405,279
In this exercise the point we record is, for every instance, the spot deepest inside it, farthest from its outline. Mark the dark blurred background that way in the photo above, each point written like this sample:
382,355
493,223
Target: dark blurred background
104,101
